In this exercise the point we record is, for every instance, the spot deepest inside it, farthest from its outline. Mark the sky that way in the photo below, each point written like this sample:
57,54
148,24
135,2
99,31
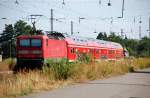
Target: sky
98,16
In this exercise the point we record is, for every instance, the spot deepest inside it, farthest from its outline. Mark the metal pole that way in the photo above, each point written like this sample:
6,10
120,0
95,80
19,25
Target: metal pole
52,20
140,35
140,31
122,33
71,27
122,8
149,27
33,18
63,2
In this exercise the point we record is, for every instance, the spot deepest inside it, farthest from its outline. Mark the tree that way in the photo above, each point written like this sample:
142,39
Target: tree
6,40
21,28
8,36
102,36
131,45
135,47
7,33
143,48
113,37
10,32
105,36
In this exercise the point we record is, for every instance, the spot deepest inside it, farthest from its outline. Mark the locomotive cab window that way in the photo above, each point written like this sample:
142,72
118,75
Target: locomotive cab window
36,42
30,42
24,42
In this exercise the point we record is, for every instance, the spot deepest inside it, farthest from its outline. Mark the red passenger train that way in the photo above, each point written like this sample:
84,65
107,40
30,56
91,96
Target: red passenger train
56,46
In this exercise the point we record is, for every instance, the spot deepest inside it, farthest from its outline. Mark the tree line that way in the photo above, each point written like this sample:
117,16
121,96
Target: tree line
135,47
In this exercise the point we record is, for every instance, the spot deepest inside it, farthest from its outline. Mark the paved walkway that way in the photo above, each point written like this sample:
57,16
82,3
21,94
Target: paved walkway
131,85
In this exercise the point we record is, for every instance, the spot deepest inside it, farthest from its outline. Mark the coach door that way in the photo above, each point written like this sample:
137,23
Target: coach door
71,54
103,53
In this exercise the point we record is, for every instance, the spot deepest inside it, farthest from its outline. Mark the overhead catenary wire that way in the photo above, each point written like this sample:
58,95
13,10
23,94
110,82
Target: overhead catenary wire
81,15
73,12
69,9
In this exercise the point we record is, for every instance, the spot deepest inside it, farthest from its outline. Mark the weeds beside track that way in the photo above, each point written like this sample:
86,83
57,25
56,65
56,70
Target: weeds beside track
60,74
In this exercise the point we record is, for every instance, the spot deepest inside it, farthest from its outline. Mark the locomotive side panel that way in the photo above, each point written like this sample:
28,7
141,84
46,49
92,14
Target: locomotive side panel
54,49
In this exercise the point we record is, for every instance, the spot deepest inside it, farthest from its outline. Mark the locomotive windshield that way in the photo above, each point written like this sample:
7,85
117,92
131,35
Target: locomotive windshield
24,42
35,42
30,42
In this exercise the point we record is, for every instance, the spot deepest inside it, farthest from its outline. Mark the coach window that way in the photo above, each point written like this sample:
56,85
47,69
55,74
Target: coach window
91,50
72,50
103,57
47,42
97,51
111,52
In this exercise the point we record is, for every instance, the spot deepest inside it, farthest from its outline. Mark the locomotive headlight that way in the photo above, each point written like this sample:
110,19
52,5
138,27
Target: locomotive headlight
23,52
36,52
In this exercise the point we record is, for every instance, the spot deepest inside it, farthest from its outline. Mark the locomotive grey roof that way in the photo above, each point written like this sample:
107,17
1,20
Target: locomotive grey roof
71,39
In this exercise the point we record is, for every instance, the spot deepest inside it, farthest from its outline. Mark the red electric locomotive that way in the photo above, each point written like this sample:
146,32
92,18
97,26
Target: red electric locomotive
57,46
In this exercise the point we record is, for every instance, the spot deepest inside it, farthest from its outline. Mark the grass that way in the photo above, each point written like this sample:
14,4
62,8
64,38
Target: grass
61,74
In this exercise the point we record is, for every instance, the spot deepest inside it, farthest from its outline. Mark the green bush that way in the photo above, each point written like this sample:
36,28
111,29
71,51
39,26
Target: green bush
84,58
142,66
61,70
130,68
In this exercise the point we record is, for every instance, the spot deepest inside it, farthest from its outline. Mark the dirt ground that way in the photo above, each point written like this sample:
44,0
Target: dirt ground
6,64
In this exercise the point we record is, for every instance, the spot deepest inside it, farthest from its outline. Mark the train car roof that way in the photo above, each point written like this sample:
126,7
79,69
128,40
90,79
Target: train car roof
77,40
33,36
